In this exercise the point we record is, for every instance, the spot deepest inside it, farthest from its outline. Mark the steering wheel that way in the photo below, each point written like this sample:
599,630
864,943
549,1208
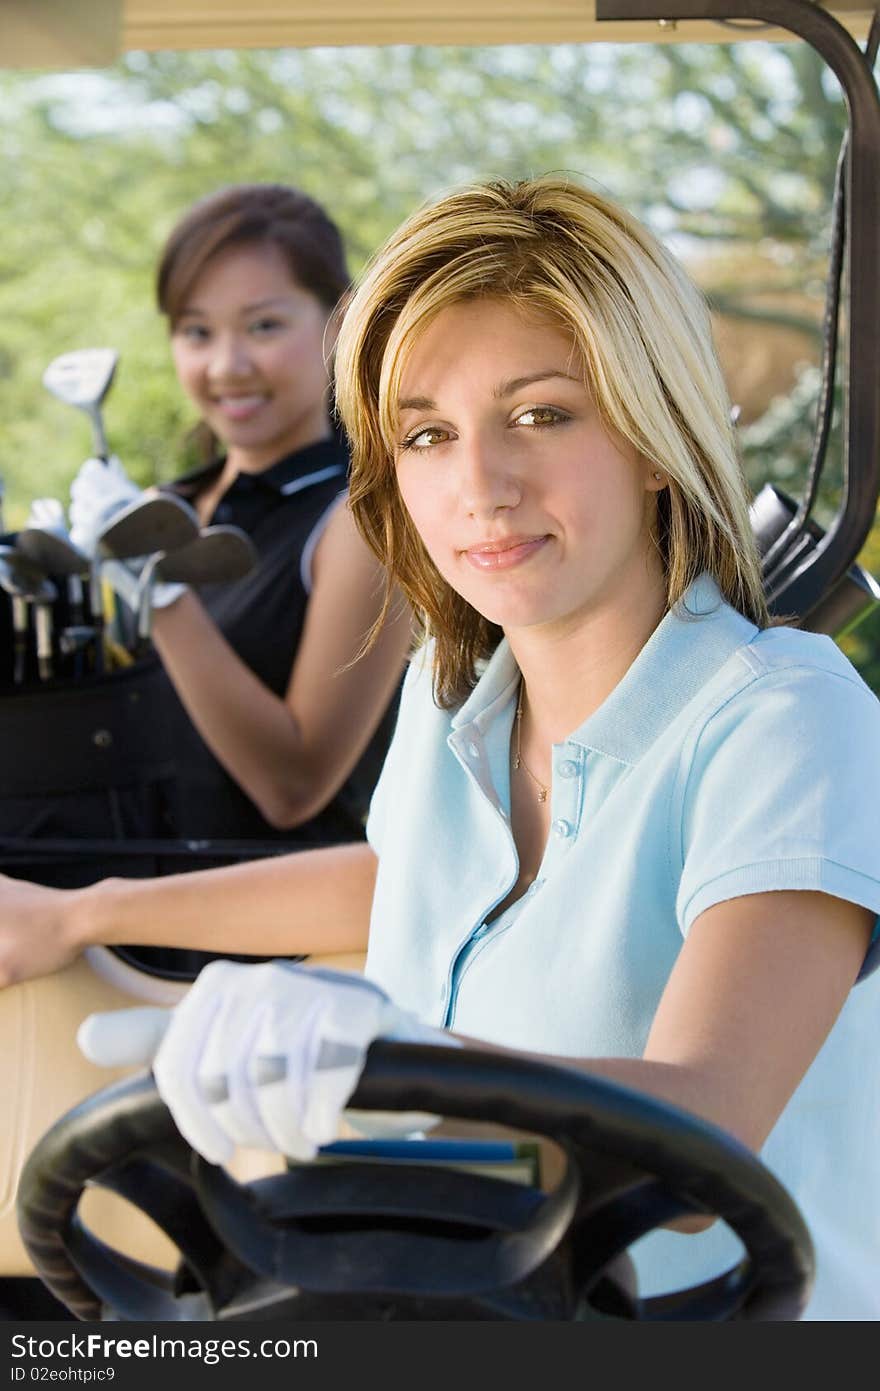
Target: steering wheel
357,1239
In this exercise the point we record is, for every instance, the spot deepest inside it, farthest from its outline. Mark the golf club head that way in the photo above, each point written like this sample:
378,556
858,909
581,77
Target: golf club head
162,522
52,549
81,378
8,580
218,553
75,637
20,576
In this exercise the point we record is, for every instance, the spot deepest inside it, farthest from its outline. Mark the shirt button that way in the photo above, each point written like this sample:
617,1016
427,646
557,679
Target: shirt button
473,750
568,768
561,828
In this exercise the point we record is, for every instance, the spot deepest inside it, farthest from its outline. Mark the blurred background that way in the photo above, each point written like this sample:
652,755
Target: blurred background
728,151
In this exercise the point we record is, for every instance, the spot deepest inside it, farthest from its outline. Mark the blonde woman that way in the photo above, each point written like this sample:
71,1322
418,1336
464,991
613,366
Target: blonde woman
624,822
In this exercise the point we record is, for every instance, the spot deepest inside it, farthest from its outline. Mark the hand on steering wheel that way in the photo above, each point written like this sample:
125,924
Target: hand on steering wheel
264,1056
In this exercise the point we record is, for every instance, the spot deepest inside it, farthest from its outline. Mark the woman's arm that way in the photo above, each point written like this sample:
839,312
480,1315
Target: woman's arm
313,901
756,988
291,754
754,993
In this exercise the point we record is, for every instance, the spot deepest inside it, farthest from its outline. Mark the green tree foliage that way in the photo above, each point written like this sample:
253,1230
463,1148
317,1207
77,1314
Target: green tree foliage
722,148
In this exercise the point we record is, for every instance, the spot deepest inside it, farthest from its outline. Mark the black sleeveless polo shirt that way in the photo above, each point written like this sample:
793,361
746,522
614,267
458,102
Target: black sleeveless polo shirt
261,616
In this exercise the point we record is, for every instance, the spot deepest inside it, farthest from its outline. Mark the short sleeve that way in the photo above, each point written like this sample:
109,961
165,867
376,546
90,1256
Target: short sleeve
385,795
783,792
378,806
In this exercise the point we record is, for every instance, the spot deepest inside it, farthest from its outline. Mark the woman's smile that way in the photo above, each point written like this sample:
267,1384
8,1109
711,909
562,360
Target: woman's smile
505,553
240,407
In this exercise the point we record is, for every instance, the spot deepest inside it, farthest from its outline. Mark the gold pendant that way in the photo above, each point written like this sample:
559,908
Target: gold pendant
542,795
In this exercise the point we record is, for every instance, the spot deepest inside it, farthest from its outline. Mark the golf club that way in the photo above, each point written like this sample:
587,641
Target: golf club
11,586
73,639
27,584
82,378
218,553
43,596
53,551
160,522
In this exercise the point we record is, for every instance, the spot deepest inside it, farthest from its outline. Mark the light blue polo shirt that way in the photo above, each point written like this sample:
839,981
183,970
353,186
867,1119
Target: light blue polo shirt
727,761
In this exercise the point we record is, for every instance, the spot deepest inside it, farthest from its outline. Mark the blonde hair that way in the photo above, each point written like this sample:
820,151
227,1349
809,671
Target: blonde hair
559,250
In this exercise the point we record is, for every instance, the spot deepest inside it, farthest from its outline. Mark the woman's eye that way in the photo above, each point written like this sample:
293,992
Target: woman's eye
424,439
193,333
266,325
536,416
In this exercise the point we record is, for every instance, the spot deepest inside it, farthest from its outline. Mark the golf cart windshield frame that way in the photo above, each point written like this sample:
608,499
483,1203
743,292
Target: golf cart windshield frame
814,571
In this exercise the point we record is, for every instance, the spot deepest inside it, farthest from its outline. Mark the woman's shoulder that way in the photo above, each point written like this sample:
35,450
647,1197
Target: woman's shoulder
810,662
793,696
417,692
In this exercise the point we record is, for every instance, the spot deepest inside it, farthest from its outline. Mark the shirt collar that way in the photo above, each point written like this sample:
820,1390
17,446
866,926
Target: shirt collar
294,468
492,692
668,672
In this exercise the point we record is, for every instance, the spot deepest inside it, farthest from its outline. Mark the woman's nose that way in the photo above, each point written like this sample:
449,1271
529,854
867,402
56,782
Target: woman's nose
487,483
230,356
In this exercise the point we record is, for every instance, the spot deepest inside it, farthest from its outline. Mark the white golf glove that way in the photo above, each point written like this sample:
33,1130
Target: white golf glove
97,493
264,1056
47,512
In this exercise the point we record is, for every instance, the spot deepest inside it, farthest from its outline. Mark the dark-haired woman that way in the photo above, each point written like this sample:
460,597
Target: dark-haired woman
274,732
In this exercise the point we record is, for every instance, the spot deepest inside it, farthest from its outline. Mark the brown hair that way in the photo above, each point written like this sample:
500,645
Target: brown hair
642,328
248,214
251,215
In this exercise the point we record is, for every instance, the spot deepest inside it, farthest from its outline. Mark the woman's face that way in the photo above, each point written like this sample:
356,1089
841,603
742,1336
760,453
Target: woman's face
248,347
528,506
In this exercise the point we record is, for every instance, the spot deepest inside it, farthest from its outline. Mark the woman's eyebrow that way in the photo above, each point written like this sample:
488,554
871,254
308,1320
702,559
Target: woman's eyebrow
252,308
505,388
264,303
514,384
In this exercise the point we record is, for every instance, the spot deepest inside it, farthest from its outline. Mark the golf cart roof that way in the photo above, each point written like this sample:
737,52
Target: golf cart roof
92,33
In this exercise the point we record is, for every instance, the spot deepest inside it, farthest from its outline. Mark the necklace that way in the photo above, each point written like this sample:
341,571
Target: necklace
518,761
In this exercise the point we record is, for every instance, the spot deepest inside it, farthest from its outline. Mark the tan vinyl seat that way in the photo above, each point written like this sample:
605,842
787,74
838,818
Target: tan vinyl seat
44,1075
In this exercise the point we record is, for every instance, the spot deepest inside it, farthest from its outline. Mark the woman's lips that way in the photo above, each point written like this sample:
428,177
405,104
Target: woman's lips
239,407
503,555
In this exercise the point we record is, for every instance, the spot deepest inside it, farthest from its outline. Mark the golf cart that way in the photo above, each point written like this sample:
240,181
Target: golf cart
355,1238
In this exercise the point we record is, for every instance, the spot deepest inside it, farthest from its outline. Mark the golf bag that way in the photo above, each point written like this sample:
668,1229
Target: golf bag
89,786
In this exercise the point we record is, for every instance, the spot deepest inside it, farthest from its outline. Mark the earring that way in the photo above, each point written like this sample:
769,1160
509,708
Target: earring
658,476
